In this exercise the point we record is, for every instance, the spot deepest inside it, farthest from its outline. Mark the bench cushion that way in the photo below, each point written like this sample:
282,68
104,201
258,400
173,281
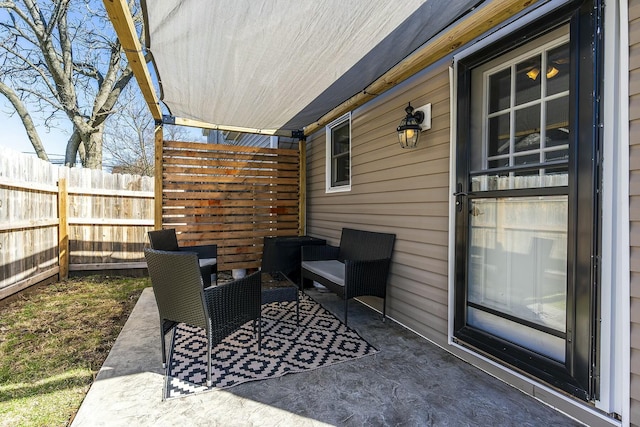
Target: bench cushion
207,261
332,270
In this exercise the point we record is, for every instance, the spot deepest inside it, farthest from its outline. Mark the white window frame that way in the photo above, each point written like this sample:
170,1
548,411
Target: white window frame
329,157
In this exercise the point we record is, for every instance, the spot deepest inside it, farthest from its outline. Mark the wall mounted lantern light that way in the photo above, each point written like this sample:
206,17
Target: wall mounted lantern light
415,122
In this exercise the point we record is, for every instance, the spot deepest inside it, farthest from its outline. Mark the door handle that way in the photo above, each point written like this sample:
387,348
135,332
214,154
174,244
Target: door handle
458,195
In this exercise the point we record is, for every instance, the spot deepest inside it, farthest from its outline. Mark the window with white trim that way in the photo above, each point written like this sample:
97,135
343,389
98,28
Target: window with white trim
338,163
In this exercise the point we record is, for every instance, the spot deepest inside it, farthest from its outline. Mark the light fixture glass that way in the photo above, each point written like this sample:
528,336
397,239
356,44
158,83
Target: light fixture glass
535,72
552,71
409,129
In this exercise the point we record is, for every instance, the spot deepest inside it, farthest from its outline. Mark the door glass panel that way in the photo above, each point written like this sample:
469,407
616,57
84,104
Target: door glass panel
500,91
557,155
533,339
550,177
528,80
499,135
558,70
527,129
530,159
557,128
518,260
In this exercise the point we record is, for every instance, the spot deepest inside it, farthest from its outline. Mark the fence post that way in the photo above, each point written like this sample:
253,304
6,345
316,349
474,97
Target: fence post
63,230
157,211
302,190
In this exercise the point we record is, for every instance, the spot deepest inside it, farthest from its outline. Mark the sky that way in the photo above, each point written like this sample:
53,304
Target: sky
13,135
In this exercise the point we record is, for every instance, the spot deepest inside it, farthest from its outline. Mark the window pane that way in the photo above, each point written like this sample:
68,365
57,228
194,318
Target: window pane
557,122
341,170
340,136
499,163
538,341
518,257
557,155
527,129
339,154
530,159
528,80
499,135
512,181
558,70
500,91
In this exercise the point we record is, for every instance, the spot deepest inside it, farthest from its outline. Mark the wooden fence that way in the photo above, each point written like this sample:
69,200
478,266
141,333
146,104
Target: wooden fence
55,219
232,196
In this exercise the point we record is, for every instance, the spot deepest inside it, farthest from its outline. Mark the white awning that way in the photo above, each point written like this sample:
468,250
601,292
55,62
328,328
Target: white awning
278,64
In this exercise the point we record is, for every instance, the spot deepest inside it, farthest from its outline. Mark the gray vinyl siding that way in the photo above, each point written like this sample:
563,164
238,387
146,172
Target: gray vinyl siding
634,214
397,191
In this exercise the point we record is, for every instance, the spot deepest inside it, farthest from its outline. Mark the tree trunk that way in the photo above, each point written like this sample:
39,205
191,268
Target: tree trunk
93,148
72,149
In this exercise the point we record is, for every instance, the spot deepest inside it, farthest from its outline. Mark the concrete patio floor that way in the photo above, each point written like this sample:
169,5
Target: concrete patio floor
410,382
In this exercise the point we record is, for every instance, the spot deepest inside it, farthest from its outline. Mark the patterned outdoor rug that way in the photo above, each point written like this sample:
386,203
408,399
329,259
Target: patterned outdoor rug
321,340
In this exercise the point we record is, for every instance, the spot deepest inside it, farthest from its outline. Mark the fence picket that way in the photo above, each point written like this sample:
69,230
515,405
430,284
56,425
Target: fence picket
112,214
235,202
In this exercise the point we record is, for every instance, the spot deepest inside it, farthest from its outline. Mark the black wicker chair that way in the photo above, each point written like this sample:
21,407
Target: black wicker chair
358,267
181,298
166,240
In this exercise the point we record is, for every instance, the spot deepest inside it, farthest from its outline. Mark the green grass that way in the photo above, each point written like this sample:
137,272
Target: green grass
53,341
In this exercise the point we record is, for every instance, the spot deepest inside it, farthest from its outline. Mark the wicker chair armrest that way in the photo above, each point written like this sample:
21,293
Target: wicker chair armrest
366,277
203,251
319,252
233,304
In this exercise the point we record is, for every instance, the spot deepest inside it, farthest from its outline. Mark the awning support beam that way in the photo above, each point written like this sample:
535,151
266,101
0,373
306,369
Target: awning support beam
121,18
179,121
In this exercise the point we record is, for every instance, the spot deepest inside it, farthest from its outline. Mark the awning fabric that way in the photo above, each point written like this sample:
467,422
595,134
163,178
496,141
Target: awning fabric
281,64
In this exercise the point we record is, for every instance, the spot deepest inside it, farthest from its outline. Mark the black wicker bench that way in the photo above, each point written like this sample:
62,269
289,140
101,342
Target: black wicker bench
358,267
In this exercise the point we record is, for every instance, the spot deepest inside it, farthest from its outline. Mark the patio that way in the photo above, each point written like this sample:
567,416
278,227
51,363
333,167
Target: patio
410,382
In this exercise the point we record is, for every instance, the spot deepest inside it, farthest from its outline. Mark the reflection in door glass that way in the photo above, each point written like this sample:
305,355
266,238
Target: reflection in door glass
518,267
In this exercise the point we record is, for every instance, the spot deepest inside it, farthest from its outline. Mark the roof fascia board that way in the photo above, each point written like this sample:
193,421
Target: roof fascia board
469,28
179,121
121,18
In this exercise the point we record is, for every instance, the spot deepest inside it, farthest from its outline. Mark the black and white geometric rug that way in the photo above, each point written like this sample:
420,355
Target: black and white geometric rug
321,340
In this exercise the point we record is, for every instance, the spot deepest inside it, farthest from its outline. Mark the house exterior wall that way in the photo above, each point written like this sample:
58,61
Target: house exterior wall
406,192
397,191
634,214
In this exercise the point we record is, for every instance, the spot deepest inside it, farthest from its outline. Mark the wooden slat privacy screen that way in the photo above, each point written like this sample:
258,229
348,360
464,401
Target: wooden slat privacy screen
232,196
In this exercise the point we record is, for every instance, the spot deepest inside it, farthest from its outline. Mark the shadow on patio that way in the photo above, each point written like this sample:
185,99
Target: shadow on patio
410,382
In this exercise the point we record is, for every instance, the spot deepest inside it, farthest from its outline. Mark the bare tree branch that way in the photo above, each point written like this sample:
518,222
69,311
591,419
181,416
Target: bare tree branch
36,68
59,57
29,126
42,97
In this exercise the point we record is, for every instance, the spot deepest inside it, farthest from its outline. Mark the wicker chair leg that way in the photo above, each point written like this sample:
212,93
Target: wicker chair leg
208,363
384,309
163,346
